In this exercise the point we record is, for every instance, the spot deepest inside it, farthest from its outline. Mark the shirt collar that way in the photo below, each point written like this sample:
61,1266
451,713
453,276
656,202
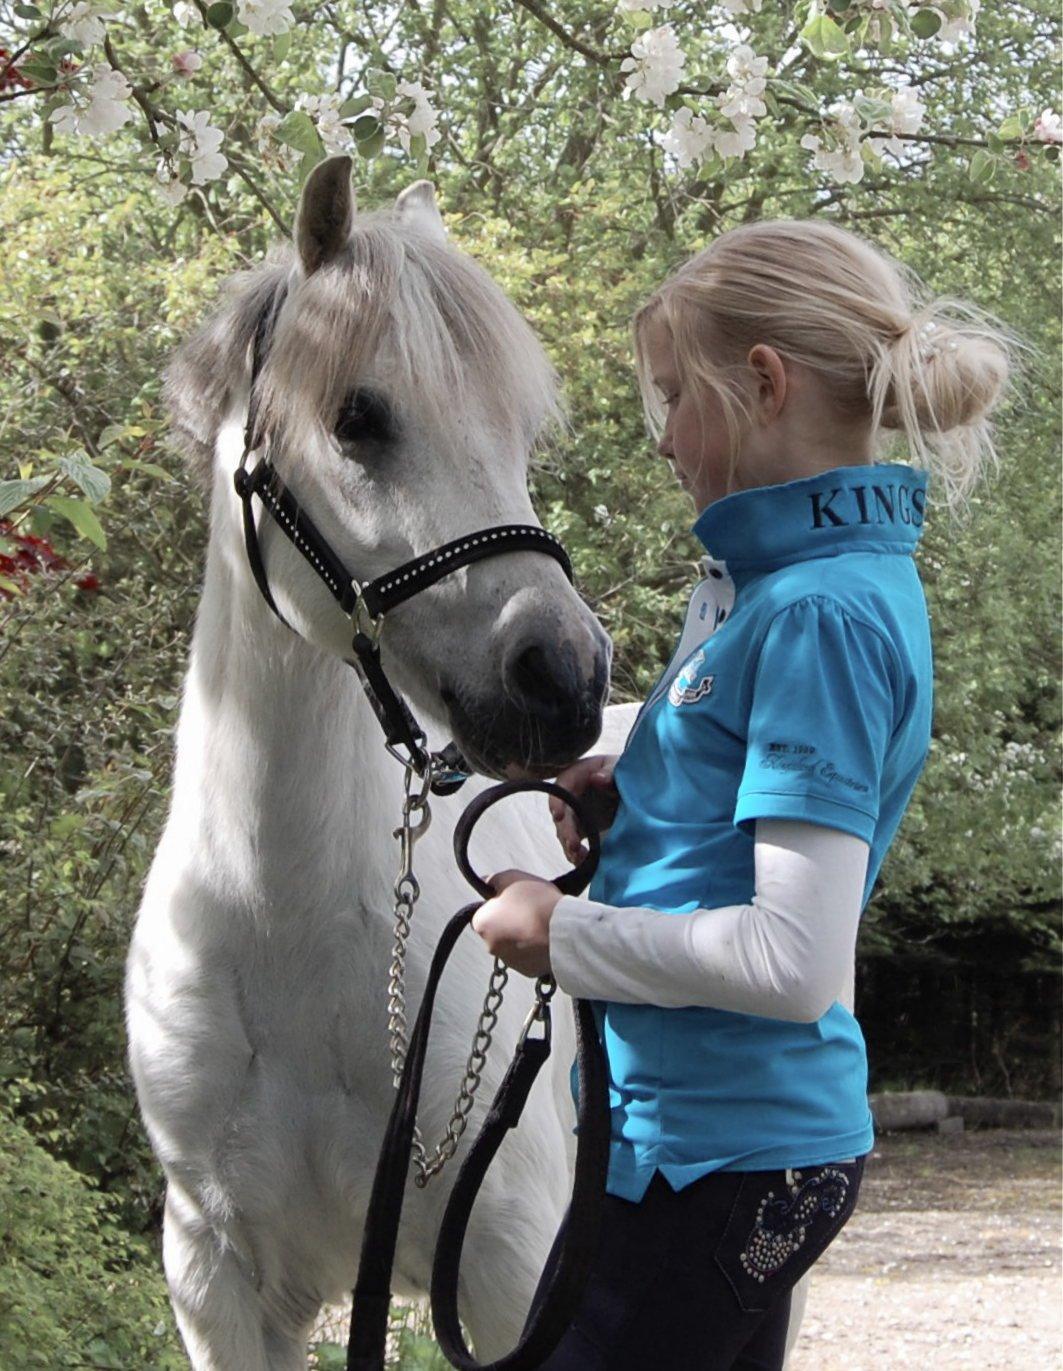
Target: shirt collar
872,507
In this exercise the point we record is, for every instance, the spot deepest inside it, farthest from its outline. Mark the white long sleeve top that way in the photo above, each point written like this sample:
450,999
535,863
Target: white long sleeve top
788,954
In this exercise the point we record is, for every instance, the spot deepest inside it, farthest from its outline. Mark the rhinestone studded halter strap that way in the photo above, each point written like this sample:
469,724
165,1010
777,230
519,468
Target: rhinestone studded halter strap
394,587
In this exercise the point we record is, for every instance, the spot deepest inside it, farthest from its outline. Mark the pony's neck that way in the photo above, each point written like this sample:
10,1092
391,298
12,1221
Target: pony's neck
282,786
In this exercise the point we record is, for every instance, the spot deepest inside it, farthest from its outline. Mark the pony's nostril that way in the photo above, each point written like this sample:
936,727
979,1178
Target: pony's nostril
545,681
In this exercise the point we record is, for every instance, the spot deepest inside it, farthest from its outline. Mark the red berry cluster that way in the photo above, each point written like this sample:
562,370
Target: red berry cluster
32,556
9,74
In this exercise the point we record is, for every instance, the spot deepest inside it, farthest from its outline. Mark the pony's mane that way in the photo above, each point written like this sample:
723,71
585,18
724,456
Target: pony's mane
452,335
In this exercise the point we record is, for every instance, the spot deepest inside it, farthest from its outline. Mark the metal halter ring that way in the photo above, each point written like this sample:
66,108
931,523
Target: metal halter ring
363,621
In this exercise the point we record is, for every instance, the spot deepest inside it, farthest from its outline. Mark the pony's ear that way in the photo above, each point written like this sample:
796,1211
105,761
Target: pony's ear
326,213
417,205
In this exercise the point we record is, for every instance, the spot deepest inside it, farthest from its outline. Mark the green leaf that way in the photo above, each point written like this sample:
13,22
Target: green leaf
824,39
298,131
67,823
796,91
368,135
12,587
872,110
638,19
1011,127
94,482
982,167
81,515
419,151
381,83
220,16
925,23
330,1357
27,11
152,468
282,42
15,493
44,73
354,106
308,163
62,47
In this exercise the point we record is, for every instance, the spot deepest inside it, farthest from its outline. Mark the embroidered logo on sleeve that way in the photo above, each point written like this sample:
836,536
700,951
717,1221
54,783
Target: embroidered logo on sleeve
692,682
801,758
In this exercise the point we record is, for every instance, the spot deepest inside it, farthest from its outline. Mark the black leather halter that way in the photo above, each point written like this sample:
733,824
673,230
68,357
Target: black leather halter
368,603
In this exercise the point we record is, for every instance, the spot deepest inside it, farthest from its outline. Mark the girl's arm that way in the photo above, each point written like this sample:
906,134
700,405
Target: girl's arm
786,955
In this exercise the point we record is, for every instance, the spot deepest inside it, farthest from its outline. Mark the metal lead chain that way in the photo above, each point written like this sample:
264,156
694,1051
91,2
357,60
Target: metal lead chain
416,817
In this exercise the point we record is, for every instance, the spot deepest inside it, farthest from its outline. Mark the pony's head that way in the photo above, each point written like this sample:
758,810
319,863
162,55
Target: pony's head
401,397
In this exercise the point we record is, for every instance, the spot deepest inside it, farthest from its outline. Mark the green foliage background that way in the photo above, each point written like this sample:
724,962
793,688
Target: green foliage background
553,183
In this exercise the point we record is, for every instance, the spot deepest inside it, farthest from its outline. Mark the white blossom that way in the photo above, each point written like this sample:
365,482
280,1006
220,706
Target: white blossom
325,111
171,188
746,69
634,6
736,142
906,116
601,513
421,123
737,7
655,65
954,29
690,138
200,142
185,13
103,113
265,17
1049,127
82,25
841,154
281,154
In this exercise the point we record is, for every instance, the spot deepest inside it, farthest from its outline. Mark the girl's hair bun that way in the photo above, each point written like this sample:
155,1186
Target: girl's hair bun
952,376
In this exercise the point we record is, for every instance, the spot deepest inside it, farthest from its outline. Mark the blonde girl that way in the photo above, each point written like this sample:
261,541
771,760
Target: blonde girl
762,783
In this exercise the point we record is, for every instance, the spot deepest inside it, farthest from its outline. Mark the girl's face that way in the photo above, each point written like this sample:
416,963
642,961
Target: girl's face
695,437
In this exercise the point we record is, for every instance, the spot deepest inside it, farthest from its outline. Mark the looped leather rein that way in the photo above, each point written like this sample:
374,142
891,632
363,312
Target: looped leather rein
372,1294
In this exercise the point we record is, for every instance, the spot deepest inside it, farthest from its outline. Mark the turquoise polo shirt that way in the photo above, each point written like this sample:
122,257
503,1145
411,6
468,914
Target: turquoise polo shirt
801,688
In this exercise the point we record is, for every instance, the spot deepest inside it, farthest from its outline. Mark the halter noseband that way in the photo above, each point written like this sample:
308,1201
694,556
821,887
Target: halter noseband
366,604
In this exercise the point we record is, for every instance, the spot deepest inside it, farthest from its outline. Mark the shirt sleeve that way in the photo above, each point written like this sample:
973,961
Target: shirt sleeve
787,955
820,722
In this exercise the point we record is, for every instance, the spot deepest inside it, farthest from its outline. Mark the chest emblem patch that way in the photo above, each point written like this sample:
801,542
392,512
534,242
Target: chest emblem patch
692,682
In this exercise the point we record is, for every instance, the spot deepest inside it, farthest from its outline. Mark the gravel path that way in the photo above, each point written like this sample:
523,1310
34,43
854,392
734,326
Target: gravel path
952,1260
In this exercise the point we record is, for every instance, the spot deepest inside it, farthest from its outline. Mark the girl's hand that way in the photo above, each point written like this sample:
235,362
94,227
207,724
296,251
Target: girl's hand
594,773
515,925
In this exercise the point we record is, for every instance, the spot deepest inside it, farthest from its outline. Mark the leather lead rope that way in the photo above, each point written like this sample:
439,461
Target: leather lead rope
372,1294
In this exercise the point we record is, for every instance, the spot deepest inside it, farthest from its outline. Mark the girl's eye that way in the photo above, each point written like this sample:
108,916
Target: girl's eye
365,417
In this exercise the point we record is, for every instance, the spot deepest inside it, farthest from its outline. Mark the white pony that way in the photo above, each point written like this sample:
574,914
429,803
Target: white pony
402,394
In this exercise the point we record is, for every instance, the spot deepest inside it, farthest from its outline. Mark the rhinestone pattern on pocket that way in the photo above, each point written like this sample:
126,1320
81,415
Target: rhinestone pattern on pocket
781,1225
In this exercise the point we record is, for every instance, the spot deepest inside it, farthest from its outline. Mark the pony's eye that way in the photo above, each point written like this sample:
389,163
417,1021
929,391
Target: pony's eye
365,417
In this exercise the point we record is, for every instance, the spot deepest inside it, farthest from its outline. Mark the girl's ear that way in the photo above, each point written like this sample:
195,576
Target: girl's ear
771,380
